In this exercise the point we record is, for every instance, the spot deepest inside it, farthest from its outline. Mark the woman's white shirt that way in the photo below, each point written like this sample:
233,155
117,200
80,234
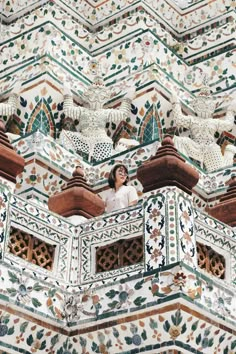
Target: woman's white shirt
121,198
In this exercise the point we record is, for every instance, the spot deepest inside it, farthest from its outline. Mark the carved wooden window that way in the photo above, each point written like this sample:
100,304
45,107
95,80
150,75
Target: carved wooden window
211,261
31,249
119,254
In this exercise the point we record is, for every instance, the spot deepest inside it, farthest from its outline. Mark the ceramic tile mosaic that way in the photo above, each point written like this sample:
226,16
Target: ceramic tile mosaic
165,304
118,296
95,12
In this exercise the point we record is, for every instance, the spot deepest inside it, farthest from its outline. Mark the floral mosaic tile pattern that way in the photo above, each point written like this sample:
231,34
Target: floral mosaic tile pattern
145,306
155,325
96,12
165,302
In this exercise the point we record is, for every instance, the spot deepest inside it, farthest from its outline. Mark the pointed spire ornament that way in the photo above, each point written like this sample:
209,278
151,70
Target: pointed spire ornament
167,168
77,198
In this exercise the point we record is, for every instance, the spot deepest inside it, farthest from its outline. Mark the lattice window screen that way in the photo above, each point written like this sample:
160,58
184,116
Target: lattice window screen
31,249
211,261
119,254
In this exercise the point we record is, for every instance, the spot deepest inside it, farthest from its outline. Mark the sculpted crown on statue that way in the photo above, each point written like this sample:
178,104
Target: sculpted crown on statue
202,146
91,137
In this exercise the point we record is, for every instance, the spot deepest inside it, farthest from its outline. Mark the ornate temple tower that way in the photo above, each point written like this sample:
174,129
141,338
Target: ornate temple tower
93,83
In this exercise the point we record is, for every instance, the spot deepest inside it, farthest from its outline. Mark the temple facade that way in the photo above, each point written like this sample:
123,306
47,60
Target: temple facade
87,84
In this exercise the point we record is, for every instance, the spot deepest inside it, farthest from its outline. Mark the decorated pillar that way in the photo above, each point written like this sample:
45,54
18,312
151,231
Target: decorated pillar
168,212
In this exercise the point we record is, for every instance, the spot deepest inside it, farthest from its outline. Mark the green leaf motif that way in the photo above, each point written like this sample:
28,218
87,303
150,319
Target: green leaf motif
128,340
139,284
178,317
5,319
113,304
52,292
12,291
49,100
166,326
95,348
83,342
40,334
184,328
198,339
194,326
153,324
23,327
43,345
12,277
133,328
207,332
115,332
109,344
144,335
36,303
139,300
210,342
205,342
226,350
30,340
10,331
55,339
37,287
222,338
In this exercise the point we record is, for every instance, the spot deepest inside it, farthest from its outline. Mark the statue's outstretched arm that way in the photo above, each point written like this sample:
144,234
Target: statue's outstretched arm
117,115
70,109
9,108
180,119
227,123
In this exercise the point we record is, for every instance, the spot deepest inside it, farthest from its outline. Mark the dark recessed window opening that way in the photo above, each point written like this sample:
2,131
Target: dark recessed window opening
119,254
31,249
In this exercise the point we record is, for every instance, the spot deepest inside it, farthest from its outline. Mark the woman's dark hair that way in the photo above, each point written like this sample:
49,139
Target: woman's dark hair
112,175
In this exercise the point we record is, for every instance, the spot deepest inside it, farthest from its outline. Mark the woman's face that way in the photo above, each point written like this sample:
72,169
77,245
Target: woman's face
120,175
